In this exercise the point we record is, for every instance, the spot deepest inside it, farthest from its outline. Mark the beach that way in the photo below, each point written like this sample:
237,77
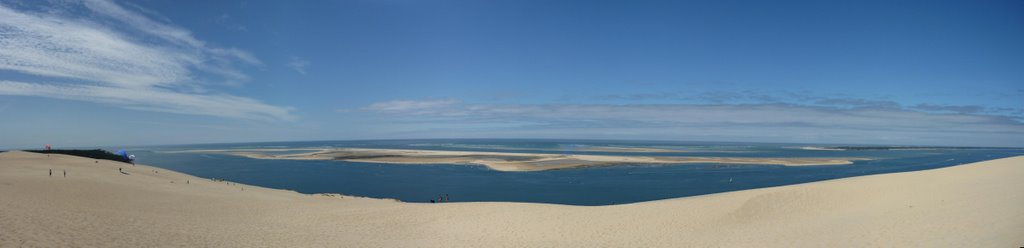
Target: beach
106,203
508,161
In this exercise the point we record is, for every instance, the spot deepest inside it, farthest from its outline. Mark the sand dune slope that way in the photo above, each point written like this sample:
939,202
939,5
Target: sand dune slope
976,205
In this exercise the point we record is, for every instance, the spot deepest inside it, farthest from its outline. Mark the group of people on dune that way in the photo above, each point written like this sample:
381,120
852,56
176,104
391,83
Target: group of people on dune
440,198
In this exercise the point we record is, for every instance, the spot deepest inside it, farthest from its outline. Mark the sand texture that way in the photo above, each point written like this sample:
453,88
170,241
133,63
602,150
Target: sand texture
974,205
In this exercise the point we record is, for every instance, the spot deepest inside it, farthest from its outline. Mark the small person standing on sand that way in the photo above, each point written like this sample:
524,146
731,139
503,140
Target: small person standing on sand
65,173
51,172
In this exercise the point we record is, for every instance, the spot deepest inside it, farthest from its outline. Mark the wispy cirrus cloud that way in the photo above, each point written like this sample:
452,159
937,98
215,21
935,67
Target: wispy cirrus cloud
412,105
152,100
751,97
767,122
960,109
117,55
228,22
298,64
805,99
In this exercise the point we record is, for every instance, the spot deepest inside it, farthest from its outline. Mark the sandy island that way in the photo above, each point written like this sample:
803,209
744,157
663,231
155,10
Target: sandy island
569,148
507,161
974,205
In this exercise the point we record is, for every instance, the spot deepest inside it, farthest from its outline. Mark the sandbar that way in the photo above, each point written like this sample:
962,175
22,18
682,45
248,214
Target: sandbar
511,161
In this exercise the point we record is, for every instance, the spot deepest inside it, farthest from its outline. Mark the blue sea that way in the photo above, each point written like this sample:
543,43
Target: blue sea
582,186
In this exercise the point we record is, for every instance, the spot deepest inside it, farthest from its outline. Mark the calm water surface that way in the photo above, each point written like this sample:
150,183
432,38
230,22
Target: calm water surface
588,186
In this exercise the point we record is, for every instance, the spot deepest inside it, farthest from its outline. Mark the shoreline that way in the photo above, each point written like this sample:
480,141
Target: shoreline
508,161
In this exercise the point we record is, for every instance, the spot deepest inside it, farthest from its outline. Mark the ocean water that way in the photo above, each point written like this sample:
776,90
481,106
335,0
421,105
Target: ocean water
584,186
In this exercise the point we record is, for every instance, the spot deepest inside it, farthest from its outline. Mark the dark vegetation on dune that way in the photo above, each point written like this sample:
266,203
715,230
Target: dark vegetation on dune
95,153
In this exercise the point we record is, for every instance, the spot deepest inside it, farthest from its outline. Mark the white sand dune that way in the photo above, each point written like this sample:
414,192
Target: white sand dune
975,205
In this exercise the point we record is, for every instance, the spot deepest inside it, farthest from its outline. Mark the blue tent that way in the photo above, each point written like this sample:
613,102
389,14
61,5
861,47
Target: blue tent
123,154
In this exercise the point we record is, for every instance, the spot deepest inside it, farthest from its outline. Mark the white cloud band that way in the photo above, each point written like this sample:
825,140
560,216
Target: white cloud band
748,122
122,57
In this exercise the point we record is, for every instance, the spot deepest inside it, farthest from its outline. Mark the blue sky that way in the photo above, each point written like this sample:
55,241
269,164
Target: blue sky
84,73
